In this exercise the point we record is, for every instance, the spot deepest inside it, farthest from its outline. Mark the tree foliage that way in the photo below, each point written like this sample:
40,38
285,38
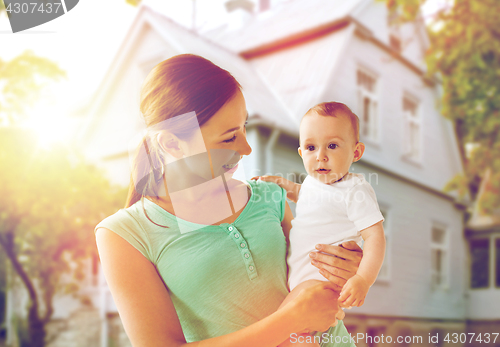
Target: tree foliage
465,54
22,80
51,202
51,198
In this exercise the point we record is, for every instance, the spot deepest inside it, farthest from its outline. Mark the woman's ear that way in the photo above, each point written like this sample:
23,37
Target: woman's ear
170,144
359,149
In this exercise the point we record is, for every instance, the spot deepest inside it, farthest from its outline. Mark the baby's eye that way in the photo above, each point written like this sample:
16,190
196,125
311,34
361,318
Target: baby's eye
332,145
230,140
310,148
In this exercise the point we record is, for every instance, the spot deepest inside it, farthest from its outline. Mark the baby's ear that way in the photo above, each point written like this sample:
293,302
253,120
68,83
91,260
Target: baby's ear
300,151
359,149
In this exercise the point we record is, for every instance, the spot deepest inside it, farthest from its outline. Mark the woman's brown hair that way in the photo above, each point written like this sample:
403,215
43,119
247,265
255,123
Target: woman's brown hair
176,86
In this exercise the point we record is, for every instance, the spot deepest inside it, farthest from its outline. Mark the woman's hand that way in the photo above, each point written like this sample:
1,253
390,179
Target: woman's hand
316,307
292,188
340,264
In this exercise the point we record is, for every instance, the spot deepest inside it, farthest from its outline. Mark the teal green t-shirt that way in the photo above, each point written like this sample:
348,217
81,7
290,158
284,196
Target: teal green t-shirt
221,278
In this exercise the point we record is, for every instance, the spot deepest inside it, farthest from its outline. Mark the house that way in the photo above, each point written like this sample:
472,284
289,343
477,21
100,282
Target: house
289,57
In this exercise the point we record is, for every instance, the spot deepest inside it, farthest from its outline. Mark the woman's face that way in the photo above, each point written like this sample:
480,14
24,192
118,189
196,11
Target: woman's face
223,137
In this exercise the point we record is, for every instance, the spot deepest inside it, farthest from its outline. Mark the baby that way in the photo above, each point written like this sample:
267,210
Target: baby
333,205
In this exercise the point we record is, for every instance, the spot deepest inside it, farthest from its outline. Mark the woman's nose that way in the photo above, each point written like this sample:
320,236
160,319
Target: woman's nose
245,148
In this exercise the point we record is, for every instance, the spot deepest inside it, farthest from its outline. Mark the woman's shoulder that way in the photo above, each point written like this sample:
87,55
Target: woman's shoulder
123,217
126,223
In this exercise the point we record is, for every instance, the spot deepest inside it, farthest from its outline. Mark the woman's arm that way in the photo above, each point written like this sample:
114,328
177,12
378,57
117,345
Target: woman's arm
149,317
340,264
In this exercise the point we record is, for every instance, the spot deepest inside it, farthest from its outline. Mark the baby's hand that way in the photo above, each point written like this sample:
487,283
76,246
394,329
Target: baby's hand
291,188
354,292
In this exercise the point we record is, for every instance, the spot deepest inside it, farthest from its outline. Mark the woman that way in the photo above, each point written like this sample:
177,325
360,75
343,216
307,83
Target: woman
198,256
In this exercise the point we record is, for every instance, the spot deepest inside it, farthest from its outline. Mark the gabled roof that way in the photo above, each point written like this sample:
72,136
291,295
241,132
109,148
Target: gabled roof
480,221
284,21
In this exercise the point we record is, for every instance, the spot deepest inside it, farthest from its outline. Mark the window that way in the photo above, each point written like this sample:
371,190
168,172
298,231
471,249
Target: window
384,270
480,263
394,31
264,5
395,42
367,105
497,251
439,257
412,145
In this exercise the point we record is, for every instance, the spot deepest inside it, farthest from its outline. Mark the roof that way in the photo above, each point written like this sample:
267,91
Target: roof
480,221
285,20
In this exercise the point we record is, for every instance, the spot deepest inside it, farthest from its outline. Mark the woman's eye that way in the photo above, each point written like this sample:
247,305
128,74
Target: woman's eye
230,140
332,145
310,148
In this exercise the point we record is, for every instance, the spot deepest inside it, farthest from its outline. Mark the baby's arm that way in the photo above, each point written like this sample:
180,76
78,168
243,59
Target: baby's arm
354,291
292,188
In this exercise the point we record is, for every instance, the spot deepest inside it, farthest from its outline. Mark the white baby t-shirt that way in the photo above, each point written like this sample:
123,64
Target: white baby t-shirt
328,214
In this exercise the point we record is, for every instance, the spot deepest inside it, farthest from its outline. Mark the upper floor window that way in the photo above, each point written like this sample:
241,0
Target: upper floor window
439,256
395,42
412,129
480,263
394,29
264,5
367,105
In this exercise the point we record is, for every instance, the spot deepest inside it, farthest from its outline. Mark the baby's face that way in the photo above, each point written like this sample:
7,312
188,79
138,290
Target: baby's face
328,147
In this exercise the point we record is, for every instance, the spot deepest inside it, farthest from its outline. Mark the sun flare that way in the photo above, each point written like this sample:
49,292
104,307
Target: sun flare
52,129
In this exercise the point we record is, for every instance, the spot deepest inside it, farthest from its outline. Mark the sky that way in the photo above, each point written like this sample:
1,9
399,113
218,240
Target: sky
84,42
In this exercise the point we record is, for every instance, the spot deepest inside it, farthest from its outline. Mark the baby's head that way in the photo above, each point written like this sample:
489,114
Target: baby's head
329,141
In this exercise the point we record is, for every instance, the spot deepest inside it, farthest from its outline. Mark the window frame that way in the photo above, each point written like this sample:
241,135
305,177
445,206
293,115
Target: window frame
445,251
373,128
408,121
496,261
385,210
394,31
490,258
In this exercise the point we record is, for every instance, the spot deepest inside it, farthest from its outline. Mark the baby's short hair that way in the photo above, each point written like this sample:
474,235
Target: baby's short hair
336,109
